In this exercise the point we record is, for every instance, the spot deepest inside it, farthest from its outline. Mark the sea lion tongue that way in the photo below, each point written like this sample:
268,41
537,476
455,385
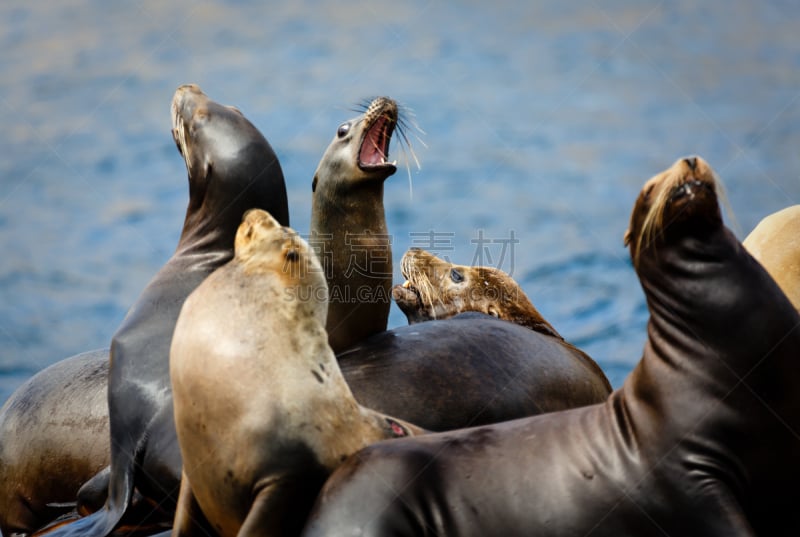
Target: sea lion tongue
375,145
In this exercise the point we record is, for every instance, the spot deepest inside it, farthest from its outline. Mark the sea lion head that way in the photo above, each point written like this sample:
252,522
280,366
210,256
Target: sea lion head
360,149
437,289
686,194
231,165
264,247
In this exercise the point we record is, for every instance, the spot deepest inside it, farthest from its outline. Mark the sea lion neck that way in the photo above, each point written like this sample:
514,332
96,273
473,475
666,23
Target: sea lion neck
207,231
360,208
690,284
721,329
220,195
348,225
231,168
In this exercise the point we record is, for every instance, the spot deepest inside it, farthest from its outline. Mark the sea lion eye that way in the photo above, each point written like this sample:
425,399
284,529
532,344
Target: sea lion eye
456,276
344,128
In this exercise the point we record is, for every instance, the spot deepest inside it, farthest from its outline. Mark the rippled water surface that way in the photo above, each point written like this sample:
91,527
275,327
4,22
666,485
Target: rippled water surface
541,122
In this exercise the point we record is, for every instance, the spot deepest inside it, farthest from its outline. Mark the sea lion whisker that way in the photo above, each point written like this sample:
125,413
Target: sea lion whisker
406,148
362,106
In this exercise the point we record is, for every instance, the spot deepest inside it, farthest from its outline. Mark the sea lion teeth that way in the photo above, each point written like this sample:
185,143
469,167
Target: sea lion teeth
340,212
484,289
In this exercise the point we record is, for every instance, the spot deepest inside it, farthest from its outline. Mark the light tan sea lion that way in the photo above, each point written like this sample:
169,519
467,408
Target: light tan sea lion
775,243
262,410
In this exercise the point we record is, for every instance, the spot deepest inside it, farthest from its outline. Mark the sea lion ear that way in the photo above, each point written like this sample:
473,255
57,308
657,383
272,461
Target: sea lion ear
626,238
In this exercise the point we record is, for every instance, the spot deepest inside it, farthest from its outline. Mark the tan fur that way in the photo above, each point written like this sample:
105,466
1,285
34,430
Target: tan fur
257,388
775,243
431,293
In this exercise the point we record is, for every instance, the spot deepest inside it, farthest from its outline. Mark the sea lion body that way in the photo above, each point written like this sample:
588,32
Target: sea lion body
255,456
348,224
470,369
437,289
231,169
54,436
700,440
775,243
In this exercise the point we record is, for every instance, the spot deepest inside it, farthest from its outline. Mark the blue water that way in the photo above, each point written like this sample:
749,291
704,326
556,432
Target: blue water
541,122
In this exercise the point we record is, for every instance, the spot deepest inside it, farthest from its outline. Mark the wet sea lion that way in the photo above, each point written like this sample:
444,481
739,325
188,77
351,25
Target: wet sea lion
256,456
702,438
54,436
348,224
437,289
775,243
231,168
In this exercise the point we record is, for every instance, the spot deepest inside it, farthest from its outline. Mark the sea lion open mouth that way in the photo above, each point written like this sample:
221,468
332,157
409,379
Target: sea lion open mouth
381,116
407,296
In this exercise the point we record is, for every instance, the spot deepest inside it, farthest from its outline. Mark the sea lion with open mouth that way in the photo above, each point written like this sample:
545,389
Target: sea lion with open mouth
348,224
467,370
437,289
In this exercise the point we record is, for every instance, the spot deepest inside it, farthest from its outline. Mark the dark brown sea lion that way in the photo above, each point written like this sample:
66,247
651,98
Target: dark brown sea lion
255,457
437,289
348,224
471,369
775,243
231,169
702,439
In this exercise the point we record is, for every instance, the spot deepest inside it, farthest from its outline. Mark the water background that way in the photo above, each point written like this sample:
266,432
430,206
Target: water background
542,121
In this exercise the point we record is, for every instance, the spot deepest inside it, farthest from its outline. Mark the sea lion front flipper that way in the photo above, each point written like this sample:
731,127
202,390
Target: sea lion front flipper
189,518
291,494
93,494
727,515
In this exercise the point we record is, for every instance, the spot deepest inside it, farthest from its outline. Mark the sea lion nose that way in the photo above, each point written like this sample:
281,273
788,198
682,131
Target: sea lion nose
194,88
691,162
